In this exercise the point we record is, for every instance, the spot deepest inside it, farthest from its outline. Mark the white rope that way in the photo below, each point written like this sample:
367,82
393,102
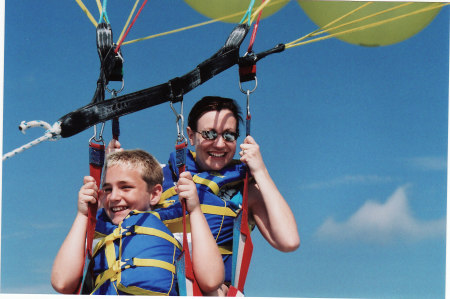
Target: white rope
52,134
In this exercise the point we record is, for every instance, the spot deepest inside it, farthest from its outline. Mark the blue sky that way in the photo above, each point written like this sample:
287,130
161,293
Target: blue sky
354,137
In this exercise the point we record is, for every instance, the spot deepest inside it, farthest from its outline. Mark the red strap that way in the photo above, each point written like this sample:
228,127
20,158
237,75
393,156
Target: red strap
96,159
255,29
95,170
248,246
189,270
233,292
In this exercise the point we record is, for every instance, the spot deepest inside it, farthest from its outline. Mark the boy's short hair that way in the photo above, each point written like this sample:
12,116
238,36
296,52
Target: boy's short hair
149,167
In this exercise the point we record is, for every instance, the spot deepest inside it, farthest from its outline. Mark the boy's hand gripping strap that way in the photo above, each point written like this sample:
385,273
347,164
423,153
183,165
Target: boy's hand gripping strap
96,161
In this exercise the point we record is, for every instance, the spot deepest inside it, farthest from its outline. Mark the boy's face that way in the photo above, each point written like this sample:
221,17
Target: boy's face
124,190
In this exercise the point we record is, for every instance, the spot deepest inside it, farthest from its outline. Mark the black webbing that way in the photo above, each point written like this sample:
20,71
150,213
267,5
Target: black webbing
93,113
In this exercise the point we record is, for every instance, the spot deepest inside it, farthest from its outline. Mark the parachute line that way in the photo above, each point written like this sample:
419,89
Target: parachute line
103,14
257,13
319,31
86,11
269,3
99,6
247,14
128,20
131,25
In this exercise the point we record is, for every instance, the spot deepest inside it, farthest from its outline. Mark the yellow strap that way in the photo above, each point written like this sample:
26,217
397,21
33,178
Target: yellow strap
215,210
108,274
110,253
210,184
175,225
225,249
86,11
156,232
109,238
134,290
116,268
198,180
167,194
154,263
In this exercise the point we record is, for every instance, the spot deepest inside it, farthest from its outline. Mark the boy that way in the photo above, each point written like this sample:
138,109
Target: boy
124,260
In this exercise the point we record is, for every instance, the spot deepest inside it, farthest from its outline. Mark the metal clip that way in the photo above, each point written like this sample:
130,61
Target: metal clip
180,123
100,136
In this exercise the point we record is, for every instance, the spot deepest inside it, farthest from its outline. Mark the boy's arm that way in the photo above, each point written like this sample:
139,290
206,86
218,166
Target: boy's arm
206,258
68,265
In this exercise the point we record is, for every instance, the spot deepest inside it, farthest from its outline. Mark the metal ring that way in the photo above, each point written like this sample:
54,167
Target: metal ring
113,91
250,91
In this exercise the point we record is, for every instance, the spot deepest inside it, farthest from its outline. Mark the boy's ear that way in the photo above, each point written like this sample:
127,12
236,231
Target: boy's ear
190,133
155,193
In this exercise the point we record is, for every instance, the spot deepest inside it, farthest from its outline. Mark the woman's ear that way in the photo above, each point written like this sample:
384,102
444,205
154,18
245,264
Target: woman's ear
155,195
190,133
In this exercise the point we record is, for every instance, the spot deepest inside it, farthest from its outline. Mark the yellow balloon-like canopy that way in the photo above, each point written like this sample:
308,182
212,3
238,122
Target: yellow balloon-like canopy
402,28
218,9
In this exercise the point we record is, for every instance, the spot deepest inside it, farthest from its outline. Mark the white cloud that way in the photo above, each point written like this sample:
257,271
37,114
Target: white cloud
429,163
348,179
381,223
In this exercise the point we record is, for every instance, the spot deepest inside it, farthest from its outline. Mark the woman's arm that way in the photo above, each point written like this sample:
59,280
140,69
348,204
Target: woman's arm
206,258
68,265
268,207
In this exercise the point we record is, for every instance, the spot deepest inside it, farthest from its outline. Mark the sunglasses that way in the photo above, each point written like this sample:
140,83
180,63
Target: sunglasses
212,135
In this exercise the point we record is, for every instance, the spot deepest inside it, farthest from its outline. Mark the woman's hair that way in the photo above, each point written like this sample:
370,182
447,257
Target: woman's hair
140,160
213,103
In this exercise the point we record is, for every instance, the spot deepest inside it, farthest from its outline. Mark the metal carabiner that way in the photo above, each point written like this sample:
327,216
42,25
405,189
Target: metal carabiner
100,136
180,123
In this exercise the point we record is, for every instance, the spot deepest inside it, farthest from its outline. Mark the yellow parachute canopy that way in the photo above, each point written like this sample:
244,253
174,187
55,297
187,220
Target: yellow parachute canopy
232,11
380,23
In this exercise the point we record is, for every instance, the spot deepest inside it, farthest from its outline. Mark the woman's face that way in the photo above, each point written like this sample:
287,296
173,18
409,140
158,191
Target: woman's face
214,154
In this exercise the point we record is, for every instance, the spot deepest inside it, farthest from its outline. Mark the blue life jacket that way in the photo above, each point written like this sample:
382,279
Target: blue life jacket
220,199
135,257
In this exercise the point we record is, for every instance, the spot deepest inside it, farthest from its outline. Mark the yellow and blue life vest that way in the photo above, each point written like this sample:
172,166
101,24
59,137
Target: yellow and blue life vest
220,199
135,257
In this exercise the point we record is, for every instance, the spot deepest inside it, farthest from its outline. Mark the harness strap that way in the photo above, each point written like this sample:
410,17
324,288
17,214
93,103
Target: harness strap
93,113
96,160
245,239
142,230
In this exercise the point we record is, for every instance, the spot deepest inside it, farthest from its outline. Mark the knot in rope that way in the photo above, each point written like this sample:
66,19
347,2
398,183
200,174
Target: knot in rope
52,133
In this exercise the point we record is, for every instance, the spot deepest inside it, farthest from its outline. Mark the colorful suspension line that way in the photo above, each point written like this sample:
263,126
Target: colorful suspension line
103,14
248,13
131,25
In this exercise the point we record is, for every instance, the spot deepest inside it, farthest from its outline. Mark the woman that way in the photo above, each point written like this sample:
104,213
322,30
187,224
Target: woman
213,128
